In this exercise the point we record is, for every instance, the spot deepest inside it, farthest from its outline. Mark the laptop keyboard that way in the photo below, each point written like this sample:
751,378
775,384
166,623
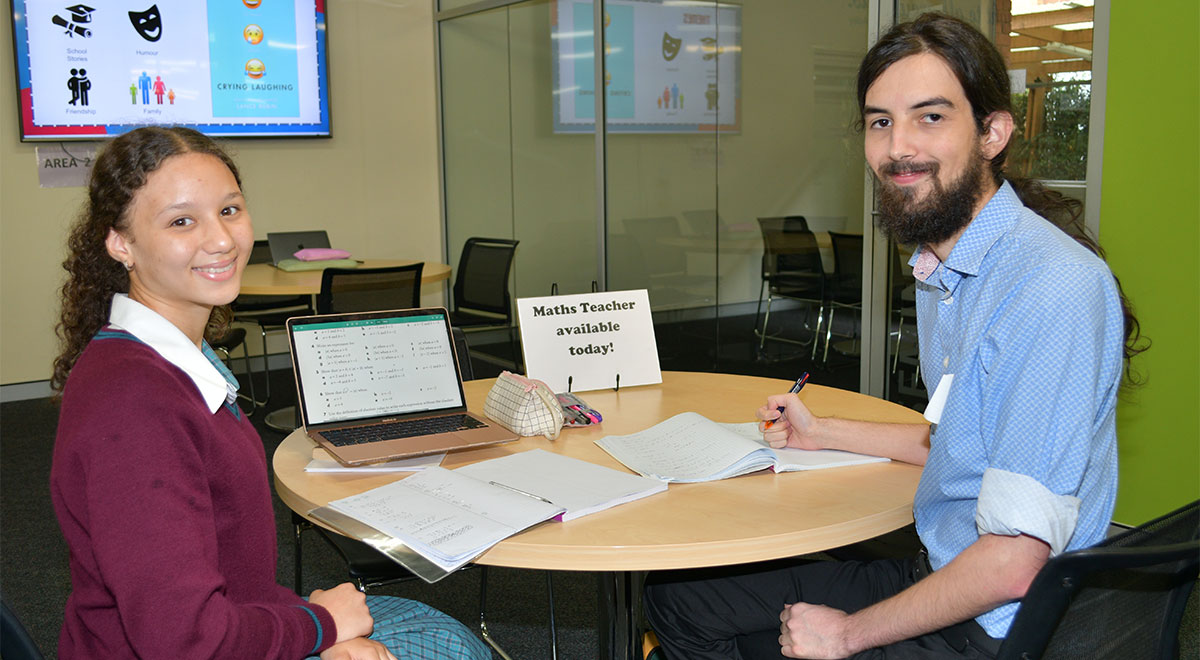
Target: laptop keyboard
357,435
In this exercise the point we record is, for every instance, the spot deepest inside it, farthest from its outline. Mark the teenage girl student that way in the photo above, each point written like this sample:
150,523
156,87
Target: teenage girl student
159,481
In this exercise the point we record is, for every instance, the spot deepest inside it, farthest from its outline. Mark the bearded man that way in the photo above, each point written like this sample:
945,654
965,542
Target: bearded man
1023,337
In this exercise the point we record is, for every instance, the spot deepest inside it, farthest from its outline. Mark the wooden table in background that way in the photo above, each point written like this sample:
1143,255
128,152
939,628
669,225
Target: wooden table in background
267,280
746,519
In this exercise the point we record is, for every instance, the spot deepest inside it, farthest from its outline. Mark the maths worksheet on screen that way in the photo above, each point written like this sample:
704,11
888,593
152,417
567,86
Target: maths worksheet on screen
351,371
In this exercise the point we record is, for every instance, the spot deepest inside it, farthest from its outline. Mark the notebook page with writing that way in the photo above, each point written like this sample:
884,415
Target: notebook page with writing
688,448
578,486
792,460
448,518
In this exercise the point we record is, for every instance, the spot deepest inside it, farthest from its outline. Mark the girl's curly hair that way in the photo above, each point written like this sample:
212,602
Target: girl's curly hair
92,275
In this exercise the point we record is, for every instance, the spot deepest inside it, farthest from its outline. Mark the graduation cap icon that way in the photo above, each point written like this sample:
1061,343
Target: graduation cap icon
81,13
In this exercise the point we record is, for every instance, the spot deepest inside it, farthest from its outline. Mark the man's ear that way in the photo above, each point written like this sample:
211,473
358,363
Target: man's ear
118,247
997,130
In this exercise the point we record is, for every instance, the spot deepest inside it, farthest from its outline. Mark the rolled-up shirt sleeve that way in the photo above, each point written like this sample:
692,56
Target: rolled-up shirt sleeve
1011,504
1050,382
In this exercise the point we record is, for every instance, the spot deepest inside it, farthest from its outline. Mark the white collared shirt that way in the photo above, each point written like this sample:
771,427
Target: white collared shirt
169,341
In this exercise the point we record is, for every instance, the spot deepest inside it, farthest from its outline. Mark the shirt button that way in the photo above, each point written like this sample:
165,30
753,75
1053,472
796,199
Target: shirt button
949,300
946,362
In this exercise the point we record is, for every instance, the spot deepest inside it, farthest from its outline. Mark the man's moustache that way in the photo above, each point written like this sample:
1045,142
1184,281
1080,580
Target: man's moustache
899,168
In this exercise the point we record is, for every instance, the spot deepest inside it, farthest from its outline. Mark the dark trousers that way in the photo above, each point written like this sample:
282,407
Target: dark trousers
734,613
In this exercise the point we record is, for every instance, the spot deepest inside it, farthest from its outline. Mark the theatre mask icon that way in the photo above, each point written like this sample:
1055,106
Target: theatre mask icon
148,24
670,47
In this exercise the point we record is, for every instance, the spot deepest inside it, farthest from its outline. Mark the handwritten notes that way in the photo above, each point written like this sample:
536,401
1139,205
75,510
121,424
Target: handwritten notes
690,448
448,518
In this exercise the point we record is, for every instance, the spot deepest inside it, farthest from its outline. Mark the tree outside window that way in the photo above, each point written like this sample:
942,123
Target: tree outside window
1050,139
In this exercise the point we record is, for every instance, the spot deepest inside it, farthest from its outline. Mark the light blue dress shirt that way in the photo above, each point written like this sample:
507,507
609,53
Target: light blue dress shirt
1029,324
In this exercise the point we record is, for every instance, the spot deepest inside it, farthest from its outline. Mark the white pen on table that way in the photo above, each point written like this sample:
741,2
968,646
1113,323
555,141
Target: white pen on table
521,492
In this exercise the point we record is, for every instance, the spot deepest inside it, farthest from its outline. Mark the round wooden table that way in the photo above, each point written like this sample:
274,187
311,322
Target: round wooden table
752,518
267,280
745,519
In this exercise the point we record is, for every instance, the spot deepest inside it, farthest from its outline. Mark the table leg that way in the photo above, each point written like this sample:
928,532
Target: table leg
620,598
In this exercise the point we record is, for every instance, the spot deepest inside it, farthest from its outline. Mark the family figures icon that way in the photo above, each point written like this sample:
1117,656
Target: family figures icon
146,86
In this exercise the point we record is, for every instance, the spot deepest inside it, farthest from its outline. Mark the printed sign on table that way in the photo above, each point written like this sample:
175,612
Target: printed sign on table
589,340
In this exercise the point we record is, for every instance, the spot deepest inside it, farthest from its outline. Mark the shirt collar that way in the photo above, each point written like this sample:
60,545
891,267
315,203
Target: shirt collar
212,378
996,218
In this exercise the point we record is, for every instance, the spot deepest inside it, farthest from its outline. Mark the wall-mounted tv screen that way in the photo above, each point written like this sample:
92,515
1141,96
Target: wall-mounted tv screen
231,68
671,66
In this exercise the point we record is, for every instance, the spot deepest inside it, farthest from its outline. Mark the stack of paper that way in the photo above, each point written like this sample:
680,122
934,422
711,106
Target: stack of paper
323,461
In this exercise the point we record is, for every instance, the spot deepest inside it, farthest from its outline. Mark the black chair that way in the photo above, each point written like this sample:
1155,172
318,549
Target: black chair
15,641
791,268
481,297
369,289
845,287
1124,598
269,313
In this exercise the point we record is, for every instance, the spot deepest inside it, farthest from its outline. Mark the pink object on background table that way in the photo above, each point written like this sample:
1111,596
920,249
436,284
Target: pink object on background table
320,254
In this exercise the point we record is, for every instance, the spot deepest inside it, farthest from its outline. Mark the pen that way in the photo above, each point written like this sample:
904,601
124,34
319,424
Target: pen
796,387
519,491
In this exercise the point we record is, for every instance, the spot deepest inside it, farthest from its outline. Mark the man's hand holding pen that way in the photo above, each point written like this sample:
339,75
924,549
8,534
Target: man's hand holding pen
786,422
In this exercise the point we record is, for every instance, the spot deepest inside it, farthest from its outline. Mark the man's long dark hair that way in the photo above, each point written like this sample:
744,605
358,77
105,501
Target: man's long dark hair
981,72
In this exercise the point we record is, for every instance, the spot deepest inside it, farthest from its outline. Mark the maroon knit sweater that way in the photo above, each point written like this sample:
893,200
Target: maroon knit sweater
167,513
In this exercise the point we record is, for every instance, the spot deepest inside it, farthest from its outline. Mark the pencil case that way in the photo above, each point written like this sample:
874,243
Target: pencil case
524,406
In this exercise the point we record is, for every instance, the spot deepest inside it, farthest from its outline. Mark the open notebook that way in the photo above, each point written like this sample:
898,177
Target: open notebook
690,447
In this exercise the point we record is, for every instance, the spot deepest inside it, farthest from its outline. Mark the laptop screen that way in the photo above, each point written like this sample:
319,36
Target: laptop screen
377,364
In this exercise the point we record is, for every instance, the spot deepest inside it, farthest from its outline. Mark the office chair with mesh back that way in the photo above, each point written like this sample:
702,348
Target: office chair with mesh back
1124,598
481,297
269,313
791,268
369,569
369,289
845,288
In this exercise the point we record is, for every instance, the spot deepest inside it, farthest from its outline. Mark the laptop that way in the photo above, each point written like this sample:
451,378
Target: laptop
285,244
375,386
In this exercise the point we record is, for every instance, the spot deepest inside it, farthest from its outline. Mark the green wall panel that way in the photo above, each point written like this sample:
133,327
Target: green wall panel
1150,226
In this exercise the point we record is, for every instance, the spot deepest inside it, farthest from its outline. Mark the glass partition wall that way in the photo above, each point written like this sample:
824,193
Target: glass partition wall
506,174
727,169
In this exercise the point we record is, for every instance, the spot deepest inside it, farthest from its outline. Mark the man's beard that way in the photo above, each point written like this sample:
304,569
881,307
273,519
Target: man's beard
942,213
